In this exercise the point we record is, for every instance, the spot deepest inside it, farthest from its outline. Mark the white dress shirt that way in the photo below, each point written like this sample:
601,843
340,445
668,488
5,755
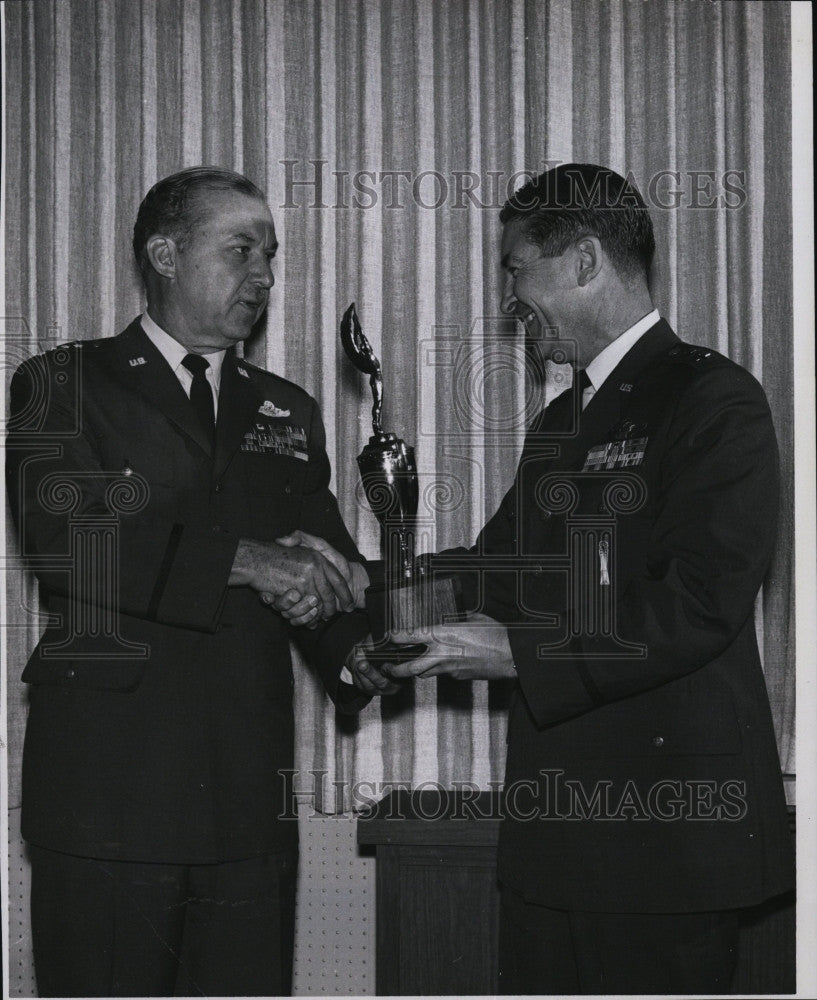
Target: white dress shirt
603,364
174,353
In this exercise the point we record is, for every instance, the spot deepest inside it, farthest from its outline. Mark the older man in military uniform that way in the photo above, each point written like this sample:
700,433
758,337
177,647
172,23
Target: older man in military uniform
161,838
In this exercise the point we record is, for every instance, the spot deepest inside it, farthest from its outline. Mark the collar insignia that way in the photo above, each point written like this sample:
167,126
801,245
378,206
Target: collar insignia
242,371
135,362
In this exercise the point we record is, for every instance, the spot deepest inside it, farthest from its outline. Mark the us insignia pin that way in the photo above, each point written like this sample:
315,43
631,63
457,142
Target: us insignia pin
269,409
242,371
135,362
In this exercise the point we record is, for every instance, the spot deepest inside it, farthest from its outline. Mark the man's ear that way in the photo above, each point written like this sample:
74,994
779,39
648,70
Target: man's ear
589,257
161,251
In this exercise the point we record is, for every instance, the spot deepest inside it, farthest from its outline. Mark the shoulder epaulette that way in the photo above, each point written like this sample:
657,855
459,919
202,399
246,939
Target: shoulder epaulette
256,370
81,345
692,354
250,365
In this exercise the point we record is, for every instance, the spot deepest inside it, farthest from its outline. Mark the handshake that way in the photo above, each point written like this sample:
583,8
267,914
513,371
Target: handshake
307,580
301,576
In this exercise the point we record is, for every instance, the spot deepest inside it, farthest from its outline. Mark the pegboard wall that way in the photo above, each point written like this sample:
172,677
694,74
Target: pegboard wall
335,929
335,918
20,959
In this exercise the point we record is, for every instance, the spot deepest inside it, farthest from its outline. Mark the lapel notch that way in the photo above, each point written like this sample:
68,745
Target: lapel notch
142,365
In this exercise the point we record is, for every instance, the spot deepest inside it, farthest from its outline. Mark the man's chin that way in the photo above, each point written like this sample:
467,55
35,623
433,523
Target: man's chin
237,333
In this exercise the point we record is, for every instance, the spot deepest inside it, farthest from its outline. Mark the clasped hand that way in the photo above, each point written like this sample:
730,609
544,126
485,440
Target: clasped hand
476,649
300,607
299,575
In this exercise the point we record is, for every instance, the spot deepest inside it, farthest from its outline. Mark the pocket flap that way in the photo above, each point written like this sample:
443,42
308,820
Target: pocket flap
96,675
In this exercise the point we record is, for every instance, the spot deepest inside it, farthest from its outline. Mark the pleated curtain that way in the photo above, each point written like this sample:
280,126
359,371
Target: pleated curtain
386,135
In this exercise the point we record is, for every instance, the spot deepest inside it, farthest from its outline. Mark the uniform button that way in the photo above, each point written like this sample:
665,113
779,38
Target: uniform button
127,471
658,741
601,509
287,489
546,514
218,487
70,672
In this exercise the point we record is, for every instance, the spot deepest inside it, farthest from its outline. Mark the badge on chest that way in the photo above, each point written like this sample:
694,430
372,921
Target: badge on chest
276,439
626,447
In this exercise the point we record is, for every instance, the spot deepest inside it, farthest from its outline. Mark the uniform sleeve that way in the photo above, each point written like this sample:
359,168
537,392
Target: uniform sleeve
167,572
328,646
707,550
319,513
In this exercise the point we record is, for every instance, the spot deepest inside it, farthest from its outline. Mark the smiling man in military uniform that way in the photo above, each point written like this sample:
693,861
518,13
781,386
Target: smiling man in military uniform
161,694
645,806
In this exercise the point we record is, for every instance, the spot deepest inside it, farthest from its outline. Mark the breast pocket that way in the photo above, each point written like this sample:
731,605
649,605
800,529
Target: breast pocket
274,486
153,459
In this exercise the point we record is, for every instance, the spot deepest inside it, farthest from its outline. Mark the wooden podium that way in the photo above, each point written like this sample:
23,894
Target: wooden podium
437,895
438,901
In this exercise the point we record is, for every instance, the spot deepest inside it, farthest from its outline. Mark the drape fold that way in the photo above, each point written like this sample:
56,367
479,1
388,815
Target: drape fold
387,134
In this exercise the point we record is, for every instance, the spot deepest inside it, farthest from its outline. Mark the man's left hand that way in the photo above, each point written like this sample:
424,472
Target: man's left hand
476,649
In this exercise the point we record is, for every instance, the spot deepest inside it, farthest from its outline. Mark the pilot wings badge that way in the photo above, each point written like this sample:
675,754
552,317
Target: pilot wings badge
269,409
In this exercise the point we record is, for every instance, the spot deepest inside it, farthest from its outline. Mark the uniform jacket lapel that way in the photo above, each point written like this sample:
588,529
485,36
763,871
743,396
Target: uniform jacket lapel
141,365
238,401
606,407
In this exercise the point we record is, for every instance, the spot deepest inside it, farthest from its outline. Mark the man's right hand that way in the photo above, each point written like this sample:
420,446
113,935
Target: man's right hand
299,609
369,677
276,569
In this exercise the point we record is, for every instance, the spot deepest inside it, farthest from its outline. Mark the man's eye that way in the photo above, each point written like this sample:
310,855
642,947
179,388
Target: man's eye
242,251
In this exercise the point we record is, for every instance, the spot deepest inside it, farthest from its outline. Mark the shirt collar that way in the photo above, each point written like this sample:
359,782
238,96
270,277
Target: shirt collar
603,364
174,353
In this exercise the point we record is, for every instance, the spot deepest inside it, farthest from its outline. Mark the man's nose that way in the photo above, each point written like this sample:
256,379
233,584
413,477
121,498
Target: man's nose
262,273
508,302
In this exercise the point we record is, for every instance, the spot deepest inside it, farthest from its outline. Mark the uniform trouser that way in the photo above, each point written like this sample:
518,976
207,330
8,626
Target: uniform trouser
546,951
117,928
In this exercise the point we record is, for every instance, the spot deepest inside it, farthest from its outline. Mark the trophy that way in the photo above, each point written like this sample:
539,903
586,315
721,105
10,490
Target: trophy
411,597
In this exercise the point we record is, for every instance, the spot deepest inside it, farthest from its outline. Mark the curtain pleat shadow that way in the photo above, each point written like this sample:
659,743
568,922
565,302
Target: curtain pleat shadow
387,135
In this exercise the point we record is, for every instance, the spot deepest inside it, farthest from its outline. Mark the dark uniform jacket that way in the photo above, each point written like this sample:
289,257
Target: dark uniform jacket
157,730
642,769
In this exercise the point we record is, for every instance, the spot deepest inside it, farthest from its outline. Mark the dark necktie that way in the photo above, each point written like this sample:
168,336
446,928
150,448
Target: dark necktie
581,380
201,395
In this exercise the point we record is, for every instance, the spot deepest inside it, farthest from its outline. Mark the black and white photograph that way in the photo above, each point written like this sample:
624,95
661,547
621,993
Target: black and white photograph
410,566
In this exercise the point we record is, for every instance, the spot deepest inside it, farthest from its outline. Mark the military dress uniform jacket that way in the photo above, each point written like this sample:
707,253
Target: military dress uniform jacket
642,770
160,699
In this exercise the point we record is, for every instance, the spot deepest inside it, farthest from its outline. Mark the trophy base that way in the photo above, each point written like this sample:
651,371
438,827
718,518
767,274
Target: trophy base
416,606
390,652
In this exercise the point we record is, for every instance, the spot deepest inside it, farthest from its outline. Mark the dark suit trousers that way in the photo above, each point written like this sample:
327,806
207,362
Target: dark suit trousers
117,928
545,951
